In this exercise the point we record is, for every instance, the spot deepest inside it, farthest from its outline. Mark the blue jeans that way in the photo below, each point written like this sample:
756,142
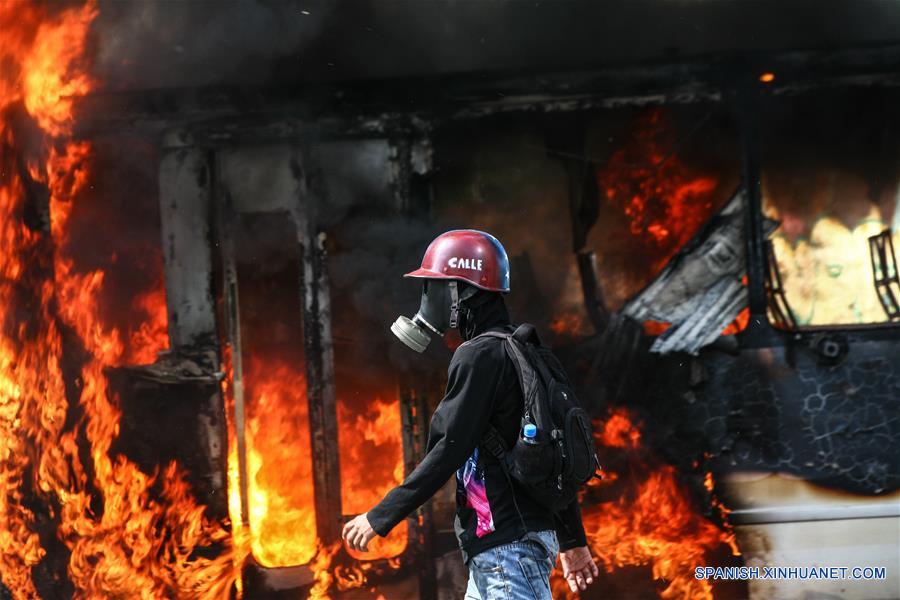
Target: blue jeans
516,571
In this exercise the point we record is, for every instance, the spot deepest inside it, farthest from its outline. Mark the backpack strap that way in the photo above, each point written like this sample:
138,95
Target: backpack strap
528,377
494,334
491,440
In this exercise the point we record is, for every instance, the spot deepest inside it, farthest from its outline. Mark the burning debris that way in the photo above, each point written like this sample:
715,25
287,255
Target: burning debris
642,515
702,289
664,202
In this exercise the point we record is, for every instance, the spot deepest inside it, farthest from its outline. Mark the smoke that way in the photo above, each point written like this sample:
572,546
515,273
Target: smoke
353,173
498,177
150,44
144,43
831,153
372,251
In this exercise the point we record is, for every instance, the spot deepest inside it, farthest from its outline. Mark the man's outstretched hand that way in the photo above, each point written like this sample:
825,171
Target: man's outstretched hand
579,568
358,533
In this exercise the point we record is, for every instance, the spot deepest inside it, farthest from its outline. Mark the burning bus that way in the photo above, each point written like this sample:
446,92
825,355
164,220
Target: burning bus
203,223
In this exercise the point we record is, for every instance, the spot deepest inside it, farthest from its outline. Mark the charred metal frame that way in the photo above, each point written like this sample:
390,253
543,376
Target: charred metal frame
299,207
379,108
312,286
884,273
411,166
746,103
567,143
225,219
776,299
296,205
320,391
185,184
185,188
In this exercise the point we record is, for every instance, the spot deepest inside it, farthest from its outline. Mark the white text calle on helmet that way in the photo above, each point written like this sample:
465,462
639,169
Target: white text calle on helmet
473,264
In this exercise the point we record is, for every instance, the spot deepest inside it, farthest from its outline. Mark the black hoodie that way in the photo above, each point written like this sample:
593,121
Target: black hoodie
482,389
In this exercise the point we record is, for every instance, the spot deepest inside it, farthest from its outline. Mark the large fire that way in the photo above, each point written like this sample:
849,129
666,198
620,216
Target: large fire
127,533
653,521
665,202
282,528
281,520
281,510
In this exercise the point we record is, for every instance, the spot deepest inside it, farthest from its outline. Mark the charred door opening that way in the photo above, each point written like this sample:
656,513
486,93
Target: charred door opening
313,446
280,496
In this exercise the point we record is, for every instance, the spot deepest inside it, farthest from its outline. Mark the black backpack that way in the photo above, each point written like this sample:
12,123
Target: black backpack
563,458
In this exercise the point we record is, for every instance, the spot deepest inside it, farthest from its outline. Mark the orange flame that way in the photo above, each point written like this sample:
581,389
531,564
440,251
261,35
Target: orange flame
653,328
281,510
567,324
656,526
619,432
665,203
324,579
128,533
654,522
739,324
43,59
371,465
279,465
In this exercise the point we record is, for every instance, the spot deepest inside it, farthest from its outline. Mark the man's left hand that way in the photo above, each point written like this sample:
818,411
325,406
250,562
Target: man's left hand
579,568
358,533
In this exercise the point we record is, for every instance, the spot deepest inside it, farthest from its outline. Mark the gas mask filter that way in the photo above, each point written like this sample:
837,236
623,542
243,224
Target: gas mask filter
438,312
412,333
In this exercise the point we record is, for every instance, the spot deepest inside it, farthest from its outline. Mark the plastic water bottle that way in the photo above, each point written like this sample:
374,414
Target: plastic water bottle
529,433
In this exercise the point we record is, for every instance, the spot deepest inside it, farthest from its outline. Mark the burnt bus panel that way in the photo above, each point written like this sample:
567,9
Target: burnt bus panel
825,406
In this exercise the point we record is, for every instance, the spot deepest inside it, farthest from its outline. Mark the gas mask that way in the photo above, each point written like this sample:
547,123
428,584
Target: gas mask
438,311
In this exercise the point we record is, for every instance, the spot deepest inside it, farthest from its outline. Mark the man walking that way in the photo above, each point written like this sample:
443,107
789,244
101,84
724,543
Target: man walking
509,541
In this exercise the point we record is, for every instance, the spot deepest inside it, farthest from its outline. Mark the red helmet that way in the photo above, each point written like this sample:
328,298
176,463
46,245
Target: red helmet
466,255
